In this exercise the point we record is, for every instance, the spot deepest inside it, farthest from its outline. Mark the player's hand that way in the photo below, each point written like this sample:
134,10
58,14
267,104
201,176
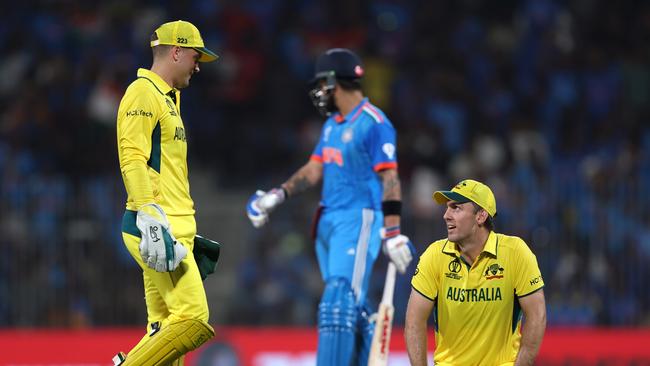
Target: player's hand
397,247
261,204
158,247
255,213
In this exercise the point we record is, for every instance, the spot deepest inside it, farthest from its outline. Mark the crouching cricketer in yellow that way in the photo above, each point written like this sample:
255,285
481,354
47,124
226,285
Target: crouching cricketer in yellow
158,226
477,283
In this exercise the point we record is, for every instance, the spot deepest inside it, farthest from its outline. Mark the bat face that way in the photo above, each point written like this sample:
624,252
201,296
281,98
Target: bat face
381,339
386,327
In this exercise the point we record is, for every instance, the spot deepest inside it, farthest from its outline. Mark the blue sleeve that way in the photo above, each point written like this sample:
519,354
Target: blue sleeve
381,145
317,154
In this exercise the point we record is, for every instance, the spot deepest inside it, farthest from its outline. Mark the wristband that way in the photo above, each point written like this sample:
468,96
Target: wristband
392,207
391,231
286,193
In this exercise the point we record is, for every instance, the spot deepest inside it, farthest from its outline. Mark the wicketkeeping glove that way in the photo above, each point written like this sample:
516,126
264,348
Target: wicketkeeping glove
158,247
261,204
397,247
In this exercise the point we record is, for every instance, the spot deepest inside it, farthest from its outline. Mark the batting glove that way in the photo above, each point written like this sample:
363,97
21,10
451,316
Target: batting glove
261,204
397,247
158,247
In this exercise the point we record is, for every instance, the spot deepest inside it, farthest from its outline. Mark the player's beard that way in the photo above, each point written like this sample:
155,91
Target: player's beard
323,100
331,106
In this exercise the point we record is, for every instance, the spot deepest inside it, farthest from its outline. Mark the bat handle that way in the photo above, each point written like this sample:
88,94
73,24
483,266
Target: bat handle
389,285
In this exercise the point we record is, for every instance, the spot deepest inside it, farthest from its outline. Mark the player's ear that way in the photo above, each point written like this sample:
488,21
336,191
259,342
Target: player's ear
176,53
481,216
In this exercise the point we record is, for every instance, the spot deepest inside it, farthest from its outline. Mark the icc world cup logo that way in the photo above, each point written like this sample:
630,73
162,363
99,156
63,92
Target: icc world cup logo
454,266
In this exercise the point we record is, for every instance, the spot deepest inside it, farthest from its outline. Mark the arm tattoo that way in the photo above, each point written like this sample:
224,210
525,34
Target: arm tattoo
304,178
392,187
298,184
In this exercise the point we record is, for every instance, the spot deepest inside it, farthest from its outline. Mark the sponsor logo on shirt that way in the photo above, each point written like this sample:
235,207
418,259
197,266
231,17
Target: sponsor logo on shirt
536,280
332,155
139,112
179,134
389,150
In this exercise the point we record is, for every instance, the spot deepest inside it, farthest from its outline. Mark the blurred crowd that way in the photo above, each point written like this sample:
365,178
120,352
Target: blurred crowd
543,100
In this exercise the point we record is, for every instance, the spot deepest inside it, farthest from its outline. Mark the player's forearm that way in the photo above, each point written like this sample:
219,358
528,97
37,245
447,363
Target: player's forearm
137,183
531,339
392,191
306,177
415,328
416,342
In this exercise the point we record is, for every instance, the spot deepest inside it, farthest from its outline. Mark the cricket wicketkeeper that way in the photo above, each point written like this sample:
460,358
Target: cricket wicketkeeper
158,227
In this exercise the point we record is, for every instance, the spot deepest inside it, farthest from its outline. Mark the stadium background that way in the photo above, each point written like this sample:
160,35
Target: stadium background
546,101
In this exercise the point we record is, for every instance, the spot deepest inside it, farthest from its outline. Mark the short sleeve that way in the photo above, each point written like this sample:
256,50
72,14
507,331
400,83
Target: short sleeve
425,279
381,146
317,154
528,277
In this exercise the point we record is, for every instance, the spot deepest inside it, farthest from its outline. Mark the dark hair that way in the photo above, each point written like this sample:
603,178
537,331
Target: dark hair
489,222
349,84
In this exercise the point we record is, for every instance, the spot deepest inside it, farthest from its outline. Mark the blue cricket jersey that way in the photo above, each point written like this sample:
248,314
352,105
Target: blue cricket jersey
353,149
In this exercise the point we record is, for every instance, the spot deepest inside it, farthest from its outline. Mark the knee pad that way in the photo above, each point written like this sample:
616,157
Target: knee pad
337,323
171,342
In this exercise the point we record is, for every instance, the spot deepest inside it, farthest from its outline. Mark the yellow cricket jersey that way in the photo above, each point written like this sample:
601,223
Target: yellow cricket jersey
476,313
152,146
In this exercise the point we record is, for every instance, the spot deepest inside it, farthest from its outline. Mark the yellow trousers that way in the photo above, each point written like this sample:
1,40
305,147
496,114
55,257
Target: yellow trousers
169,296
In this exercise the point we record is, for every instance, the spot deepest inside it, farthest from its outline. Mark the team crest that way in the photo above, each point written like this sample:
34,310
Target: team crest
347,135
494,271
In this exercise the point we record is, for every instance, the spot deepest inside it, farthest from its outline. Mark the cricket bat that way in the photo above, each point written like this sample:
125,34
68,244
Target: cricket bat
381,339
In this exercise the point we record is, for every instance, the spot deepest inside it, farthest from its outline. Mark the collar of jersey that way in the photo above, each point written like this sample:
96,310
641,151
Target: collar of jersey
338,118
490,246
157,81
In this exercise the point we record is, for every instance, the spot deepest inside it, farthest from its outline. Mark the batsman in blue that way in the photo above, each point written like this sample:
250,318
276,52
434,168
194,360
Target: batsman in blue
360,207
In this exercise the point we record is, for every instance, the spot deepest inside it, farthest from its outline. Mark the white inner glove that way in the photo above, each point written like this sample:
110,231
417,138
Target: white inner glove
399,250
261,204
158,247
